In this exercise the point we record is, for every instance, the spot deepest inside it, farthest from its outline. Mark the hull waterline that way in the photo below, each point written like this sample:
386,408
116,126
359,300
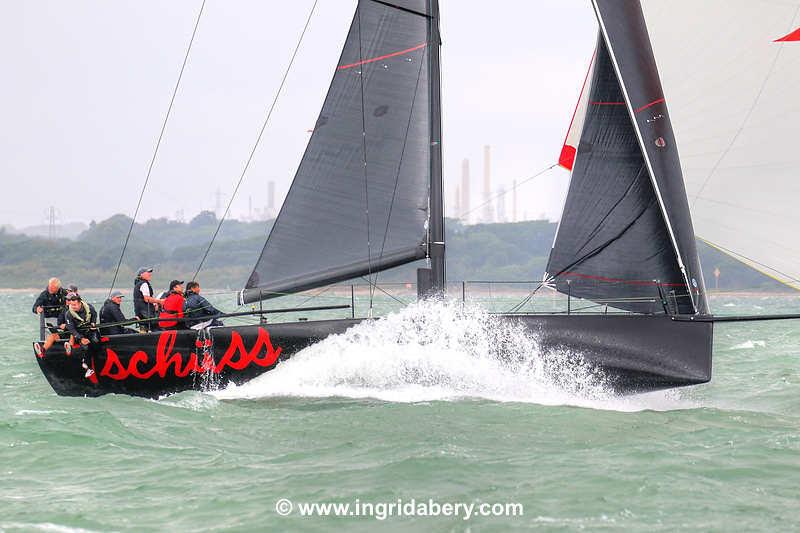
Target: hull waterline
634,353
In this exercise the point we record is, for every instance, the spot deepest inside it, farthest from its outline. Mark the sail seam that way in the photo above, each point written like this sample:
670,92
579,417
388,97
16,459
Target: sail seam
647,161
401,8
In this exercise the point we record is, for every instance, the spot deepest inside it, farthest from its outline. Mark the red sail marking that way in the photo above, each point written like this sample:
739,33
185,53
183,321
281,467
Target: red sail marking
567,157
386,56
645,106
794,36
619,280
165,358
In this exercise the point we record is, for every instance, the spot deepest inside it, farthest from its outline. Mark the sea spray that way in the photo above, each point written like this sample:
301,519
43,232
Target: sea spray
432,351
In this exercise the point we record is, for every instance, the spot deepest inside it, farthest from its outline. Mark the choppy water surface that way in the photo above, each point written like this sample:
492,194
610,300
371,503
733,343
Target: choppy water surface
416,406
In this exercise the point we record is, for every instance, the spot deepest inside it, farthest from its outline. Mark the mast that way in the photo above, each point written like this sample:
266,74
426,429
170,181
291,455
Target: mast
436,246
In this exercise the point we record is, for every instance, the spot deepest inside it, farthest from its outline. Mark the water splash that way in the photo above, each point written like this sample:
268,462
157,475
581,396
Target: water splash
439,351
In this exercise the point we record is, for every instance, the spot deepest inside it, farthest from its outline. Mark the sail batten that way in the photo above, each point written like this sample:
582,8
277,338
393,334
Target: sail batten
359,202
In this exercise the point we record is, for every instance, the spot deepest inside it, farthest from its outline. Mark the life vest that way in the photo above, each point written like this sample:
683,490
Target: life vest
172,308
141,308
80,321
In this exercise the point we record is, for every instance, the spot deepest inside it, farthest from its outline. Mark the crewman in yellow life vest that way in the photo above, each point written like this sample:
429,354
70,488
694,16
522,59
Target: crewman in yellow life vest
82,325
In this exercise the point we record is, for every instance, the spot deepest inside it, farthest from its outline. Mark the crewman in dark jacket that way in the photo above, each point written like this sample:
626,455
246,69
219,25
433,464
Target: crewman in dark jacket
145,304
81,320
51,301
197,307
111,313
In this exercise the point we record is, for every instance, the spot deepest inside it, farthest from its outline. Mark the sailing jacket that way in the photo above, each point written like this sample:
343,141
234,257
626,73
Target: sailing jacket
52,303
79,323
110,313
141,308
172,308
198,307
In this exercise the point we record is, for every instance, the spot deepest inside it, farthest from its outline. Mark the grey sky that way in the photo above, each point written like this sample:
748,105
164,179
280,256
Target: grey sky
87,83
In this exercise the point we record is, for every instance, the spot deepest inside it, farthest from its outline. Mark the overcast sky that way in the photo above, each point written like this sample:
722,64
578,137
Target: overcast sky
86,84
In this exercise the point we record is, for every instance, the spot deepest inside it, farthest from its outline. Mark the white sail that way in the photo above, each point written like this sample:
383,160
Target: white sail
731,76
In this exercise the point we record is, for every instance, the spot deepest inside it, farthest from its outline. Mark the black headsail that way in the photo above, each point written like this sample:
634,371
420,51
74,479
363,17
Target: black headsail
626,228
359,202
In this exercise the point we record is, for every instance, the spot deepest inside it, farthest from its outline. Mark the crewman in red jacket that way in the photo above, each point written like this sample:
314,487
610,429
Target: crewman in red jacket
172,307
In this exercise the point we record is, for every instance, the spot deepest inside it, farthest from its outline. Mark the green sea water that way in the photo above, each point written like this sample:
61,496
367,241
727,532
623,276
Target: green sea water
362,419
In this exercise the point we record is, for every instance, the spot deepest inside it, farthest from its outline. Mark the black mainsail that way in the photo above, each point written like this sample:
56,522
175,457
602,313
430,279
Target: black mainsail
625,235
361,201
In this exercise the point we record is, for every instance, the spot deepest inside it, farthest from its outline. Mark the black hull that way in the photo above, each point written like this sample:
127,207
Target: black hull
636,353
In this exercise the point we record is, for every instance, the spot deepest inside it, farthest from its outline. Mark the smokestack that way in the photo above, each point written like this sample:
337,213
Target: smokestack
501,204
514,202
464,214
457,203
488,212
271,195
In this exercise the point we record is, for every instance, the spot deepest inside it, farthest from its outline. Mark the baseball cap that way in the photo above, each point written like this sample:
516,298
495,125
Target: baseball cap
117,293
173,283
143,270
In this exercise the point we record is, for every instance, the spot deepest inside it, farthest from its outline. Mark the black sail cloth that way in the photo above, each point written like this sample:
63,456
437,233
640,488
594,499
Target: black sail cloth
359,200
625,229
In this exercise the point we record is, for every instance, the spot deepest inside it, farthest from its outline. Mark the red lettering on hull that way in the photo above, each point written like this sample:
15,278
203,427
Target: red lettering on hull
168,362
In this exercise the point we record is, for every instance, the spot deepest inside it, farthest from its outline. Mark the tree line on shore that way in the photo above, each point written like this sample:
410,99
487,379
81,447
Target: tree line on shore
502,252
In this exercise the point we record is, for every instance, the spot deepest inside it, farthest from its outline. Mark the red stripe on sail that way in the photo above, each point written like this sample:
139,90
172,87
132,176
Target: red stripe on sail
794,36
386,56
623,281
645,106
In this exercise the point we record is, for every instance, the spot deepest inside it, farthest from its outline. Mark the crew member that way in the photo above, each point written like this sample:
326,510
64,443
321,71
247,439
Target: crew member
198,308
81,324
111,313
51,301
173,307
58,329
145,304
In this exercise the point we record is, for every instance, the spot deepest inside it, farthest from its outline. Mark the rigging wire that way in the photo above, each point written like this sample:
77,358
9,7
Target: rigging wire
503,193
158,145
258,139
376,286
